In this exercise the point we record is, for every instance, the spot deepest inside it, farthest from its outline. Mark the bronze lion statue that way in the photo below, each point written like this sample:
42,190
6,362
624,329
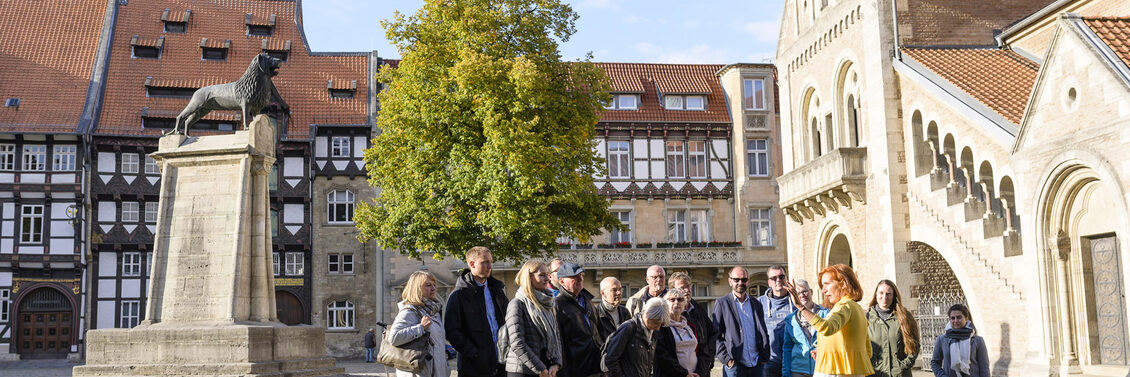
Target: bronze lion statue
250,94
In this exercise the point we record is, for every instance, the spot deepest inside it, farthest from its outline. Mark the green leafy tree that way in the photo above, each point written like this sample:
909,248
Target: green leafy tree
486,135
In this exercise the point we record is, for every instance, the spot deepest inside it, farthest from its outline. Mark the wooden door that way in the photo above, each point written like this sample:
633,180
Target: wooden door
45,324
288,308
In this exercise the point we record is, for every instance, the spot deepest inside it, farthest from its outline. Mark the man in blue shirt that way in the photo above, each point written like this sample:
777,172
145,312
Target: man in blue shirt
743,342
475,310
777,305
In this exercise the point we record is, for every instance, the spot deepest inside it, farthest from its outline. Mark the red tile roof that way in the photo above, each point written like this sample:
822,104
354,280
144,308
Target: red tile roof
1000,79
47,53
652,80
1115,32
301,81
966,23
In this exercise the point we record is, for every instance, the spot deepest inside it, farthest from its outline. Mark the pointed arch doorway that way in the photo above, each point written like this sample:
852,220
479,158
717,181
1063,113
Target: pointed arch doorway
46,324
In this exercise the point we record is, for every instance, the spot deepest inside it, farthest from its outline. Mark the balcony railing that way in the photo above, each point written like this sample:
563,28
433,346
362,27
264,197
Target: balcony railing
827,183
674,257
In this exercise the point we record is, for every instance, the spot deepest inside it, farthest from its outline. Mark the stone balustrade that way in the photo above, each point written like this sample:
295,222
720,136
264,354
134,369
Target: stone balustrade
829,182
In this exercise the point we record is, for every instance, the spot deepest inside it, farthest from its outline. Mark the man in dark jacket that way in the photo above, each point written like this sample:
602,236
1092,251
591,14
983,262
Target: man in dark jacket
580,346
609,313
743,342
699,319
475,310
370,343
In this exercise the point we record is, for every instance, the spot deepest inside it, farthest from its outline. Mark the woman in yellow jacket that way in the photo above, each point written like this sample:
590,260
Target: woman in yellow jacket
844,348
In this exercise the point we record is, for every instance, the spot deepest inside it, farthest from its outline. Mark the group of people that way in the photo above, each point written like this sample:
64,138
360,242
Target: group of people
553,327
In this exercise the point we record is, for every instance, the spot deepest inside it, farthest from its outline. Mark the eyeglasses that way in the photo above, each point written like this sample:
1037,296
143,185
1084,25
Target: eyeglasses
680,299
739,280
655,277
778,277
804,293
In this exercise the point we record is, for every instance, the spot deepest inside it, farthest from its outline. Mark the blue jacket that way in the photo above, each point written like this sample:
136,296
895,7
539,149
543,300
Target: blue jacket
728,325
796,349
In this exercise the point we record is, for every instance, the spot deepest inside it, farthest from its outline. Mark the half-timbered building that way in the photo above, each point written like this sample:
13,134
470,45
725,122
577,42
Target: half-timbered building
49,59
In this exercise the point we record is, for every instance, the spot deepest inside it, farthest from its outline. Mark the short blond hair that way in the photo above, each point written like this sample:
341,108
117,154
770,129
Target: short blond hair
475,252
678,276
414,289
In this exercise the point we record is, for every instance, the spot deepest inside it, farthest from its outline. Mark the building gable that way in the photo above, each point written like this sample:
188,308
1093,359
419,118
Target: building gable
1079,87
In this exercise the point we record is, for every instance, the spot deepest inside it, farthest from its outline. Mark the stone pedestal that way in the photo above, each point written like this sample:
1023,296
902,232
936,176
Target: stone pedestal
211,308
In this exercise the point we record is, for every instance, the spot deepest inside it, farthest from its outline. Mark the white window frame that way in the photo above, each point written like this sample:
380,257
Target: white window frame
151,166
151,212
750,89
761,219
130,314
676,160
276,263
619,159
63,157
5,304
35,157
683,102
616,236
677,225
7,157
131,212
698,228
295,263
757,157
340,264
618,100
697,163
339,146
31,223
131,264
339,202
339,315
130,163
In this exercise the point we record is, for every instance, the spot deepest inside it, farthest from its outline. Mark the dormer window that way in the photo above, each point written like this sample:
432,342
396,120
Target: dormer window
623,102
214,49
147,48
154,88
684,102
342,89
259,27
175,22
277,49
12,102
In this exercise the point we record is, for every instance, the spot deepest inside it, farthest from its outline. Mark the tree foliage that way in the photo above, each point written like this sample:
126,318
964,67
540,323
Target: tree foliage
486,135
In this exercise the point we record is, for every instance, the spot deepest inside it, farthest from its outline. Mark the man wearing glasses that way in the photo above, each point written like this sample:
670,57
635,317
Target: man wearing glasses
743,343
656,287
777,307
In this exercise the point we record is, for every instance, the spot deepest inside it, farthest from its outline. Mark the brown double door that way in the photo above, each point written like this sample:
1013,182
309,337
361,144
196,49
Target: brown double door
288,308
44,334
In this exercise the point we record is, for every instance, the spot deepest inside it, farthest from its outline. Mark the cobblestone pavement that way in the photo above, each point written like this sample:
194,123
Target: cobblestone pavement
56,368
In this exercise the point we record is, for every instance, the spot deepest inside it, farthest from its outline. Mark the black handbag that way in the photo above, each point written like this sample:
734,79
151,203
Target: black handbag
409,357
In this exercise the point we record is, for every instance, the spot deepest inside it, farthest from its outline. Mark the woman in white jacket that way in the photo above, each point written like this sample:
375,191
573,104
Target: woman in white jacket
420,316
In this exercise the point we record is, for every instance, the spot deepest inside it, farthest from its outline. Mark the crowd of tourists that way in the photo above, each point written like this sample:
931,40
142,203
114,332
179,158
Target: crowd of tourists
554,327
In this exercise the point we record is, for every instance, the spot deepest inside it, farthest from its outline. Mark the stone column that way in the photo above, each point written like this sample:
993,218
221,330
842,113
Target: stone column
211,308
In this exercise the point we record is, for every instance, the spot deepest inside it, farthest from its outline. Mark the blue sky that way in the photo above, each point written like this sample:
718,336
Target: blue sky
655,31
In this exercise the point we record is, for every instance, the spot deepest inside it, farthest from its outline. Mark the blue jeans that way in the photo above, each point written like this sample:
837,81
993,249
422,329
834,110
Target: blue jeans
368,354
739,370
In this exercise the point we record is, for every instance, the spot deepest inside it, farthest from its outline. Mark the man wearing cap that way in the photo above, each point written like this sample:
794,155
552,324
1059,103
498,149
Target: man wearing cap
580,345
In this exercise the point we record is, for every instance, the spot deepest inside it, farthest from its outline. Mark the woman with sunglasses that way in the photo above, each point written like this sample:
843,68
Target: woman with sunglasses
844,348
960,352
676,346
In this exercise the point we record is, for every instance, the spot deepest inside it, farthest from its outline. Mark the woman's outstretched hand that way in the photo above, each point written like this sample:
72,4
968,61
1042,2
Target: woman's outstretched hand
791,287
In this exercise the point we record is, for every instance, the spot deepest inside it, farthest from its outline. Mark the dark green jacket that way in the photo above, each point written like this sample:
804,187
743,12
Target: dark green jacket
888,355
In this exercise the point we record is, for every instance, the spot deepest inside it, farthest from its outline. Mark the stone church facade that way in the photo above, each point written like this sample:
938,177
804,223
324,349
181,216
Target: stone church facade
971,152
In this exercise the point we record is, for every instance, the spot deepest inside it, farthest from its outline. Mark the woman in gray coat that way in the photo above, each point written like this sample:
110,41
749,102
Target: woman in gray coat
528,342
960,352
420,316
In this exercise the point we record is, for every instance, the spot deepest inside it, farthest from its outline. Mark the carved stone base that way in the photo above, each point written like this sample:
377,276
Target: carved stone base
208,350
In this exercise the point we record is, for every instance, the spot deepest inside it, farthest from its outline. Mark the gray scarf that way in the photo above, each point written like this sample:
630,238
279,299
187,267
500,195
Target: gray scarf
544,319
613,310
